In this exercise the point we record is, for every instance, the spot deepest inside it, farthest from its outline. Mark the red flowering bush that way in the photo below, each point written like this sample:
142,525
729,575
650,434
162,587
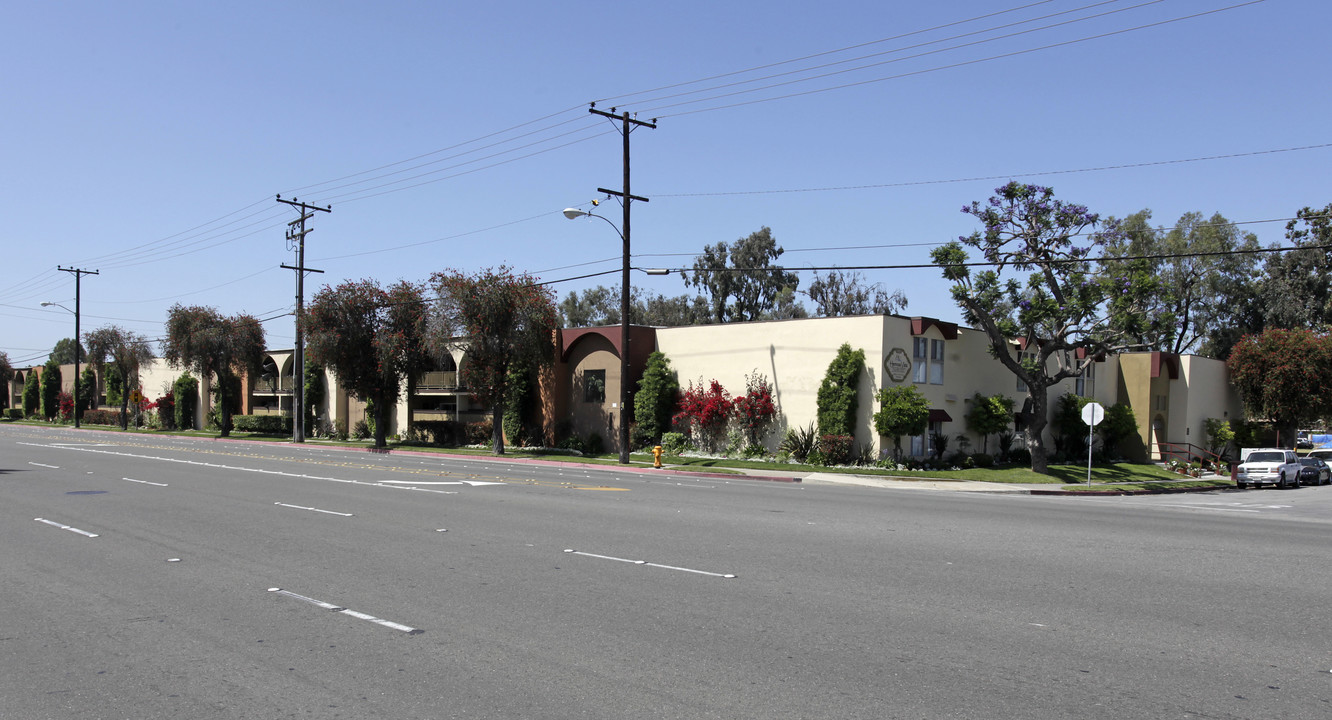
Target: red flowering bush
166,411
704,412
66,404
755,411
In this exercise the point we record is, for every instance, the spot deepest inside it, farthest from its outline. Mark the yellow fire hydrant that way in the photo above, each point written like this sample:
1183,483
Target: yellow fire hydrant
656,456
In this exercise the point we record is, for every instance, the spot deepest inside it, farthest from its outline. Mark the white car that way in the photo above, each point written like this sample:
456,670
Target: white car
1269,466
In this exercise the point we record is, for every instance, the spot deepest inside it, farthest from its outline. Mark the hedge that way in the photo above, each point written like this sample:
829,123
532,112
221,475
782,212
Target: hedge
101,417
270,424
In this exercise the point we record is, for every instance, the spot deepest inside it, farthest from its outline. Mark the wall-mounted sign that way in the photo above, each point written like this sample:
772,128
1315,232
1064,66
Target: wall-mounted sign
897,364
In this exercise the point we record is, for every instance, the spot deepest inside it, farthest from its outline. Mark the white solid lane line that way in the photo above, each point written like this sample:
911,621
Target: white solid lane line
651,564
302,507
352,613
62,526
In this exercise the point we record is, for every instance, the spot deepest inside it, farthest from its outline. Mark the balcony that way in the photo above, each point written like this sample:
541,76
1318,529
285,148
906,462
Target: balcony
438,380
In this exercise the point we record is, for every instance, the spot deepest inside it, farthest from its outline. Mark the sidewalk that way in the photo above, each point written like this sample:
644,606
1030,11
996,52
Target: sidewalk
880,481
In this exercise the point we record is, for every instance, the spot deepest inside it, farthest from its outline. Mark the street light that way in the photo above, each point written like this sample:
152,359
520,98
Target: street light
574,214
76,356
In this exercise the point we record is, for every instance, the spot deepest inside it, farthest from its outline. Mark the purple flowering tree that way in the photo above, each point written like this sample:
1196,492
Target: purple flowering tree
1041,296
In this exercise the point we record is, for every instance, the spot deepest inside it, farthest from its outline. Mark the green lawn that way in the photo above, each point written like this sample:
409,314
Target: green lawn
1074,477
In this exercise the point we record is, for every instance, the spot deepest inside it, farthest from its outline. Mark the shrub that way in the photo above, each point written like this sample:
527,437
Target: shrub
674,443
839,393
269,424
361,430
1020,456
340,430
66,403
799,443
658,392
982,460
705,411
102,417
836,449
166,411
480,433
186,393
595,445
14,413
903,410
443,432
50,386
32,395
755,411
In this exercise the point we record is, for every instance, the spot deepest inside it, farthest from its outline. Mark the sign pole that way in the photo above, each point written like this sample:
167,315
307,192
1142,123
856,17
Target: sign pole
1092,414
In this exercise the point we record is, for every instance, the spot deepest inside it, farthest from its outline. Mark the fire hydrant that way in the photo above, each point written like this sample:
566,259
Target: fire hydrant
656,456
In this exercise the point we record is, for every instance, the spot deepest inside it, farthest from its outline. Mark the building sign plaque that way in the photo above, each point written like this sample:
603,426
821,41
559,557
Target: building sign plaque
897,364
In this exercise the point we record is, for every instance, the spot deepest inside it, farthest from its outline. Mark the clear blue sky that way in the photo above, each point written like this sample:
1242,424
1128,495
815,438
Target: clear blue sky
147,139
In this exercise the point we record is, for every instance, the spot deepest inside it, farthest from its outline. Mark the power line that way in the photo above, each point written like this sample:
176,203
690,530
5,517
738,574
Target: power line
656,111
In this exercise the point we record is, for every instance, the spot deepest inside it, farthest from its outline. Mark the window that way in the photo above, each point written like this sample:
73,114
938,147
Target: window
927,358
936,362
920,356
923,445
1085,385
594,386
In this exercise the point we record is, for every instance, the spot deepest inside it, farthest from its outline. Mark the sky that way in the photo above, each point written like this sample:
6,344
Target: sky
148,141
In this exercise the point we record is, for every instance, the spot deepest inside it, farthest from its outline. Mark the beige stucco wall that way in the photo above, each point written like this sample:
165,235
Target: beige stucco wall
1205,392
793,355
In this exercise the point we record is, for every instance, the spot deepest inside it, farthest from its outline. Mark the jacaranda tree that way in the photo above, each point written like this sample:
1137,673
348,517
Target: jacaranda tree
1067,303
371,339
210,344
502,320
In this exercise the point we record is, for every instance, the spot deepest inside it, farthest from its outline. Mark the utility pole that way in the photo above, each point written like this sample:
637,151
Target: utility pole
296,236
626,199
78,275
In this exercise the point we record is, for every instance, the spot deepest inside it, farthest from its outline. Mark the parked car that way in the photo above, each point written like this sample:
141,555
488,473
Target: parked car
1324,455
1314,471
1269,466
1303,442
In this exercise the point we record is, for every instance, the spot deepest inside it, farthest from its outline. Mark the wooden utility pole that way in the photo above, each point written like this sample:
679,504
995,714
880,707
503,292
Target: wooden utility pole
78,275
626,199
296,236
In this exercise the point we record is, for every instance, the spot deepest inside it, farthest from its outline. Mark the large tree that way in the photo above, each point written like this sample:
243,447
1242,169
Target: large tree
6,376
124,350
63,352
1297,285
841,293
741,280
371,338
1064,305
208,343
1199,263
600,307
503,320
1284,376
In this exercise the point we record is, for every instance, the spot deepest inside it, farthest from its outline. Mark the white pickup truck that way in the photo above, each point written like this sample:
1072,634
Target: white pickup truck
1268,466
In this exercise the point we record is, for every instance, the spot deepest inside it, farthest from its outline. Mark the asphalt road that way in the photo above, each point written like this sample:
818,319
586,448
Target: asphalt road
166,578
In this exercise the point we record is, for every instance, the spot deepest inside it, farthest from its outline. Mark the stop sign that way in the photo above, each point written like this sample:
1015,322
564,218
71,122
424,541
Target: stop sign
1093,413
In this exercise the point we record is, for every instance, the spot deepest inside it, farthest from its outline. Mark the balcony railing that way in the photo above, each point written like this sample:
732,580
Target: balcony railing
438,380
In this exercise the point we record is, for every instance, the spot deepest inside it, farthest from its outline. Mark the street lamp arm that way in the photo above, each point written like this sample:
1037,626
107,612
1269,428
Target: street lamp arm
62,307
575,213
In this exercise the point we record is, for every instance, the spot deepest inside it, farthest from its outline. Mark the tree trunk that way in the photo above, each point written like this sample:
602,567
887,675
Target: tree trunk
1036,422
497,425
381,412
225,412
